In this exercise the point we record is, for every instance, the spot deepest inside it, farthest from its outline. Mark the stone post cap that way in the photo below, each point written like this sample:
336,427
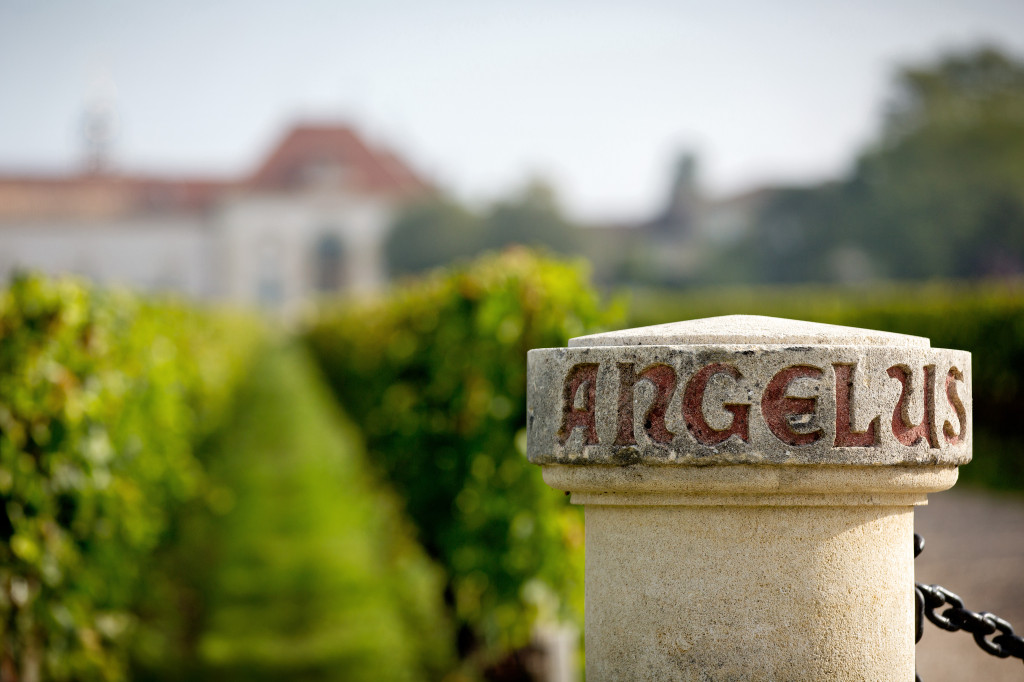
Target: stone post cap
749,390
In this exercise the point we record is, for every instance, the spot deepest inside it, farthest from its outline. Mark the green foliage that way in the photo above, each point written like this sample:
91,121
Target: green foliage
439,231
166,515
102,398
943,191
940,193
308,571
985,319
973,91
435,375
430,233
530,218
801,235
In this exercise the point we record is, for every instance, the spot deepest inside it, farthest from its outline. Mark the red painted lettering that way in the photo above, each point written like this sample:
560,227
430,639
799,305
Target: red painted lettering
846,437
663,378
581,375
693,410
955,437
776,406
905,432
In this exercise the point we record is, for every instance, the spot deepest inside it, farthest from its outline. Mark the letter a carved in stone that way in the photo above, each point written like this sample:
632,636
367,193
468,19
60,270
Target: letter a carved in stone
582,375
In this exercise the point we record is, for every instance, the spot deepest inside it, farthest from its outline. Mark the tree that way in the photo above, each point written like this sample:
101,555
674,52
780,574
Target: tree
432,233
439,230
940,193
531,218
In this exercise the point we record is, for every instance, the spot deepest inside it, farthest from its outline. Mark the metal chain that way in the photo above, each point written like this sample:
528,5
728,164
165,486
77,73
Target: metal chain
982,625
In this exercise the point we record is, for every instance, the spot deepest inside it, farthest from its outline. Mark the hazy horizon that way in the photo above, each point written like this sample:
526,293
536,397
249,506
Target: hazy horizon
598,98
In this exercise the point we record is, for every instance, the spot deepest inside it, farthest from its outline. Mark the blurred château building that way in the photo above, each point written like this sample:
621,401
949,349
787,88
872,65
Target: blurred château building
311,219
676,245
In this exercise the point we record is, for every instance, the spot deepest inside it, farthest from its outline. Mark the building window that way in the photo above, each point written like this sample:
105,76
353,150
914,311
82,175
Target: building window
328,263
270,278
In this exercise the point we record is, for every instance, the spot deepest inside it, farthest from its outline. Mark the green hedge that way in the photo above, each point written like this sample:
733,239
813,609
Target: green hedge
986,319
435,376
102,399
307,571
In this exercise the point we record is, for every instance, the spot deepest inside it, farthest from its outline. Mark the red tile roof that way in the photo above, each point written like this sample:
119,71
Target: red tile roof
364,169
292,166
104,196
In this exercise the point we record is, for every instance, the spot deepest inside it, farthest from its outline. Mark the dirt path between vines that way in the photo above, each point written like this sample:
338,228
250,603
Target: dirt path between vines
974,546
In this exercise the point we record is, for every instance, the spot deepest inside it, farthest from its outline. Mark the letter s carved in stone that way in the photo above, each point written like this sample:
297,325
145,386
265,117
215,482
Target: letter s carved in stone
955,437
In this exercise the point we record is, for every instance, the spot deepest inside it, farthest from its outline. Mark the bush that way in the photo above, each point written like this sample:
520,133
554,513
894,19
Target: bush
985,319
102,399
306,571
435,375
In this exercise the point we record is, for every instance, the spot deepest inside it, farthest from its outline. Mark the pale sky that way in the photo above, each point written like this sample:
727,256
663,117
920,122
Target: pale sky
598,97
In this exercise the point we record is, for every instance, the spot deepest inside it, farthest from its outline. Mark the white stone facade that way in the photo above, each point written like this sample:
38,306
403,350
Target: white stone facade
311,221
145,254
281,250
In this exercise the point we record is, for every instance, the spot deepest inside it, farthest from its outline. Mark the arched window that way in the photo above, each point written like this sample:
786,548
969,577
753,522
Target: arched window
328,263
269,274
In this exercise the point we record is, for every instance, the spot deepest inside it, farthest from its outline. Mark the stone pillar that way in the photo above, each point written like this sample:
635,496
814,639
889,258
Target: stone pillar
749,485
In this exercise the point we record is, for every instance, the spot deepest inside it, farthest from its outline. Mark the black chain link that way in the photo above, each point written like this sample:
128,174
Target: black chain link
982,625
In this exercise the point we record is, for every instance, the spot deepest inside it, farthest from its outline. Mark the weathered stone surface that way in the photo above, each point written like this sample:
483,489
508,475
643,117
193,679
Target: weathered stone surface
744,390
749,487
735,593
